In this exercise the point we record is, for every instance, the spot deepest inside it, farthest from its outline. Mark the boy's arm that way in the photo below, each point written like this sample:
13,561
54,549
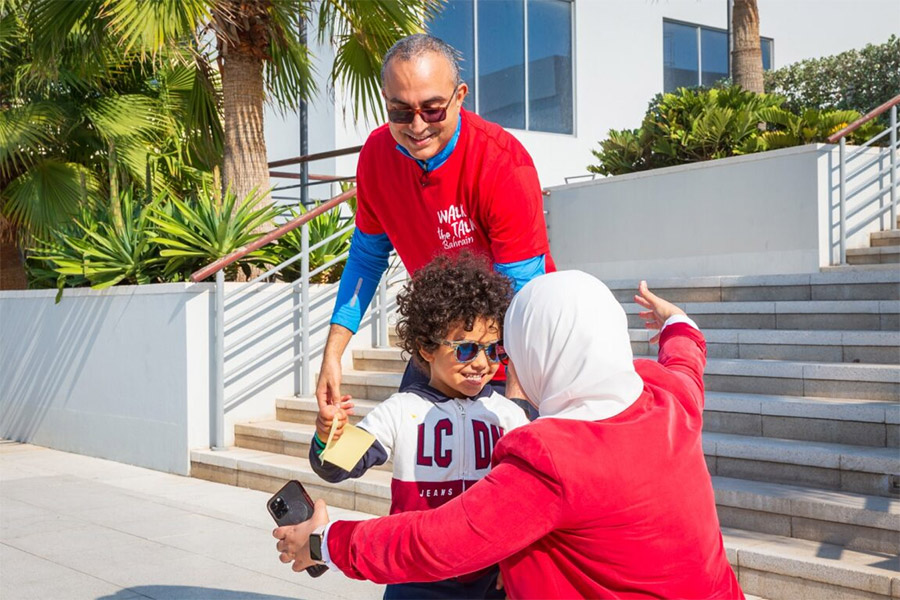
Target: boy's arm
374,456
380,422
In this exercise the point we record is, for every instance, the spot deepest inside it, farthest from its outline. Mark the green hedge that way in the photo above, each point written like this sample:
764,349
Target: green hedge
703,124
854,80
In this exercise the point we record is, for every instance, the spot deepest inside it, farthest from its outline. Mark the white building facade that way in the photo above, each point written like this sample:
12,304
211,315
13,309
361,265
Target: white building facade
559,74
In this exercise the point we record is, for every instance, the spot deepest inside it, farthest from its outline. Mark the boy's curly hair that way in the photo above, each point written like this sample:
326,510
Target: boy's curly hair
447,291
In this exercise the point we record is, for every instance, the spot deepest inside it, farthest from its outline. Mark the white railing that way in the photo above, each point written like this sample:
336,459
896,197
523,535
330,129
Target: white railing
868,177
281,329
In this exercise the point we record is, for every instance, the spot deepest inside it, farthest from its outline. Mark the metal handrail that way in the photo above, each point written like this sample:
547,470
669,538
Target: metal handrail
270,237
274,332
313,157
890,172
863,120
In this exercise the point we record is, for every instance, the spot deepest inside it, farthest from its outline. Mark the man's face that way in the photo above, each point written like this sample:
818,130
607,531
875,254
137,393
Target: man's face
423,82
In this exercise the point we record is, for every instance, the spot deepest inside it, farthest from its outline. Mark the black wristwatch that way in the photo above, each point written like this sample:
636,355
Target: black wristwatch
315,544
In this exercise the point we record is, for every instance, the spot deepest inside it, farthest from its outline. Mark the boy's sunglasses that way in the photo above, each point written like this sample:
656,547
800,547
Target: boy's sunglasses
404,116
468,351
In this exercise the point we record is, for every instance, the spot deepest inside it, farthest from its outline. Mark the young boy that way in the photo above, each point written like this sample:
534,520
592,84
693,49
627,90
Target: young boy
440,434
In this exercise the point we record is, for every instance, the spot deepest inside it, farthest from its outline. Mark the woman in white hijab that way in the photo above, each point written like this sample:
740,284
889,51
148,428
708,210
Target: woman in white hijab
605,495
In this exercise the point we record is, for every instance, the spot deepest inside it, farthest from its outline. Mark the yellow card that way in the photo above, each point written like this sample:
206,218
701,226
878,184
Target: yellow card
351,446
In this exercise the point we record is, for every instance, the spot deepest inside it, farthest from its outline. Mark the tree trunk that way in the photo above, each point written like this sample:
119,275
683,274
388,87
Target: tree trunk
746,56
245,166
12,271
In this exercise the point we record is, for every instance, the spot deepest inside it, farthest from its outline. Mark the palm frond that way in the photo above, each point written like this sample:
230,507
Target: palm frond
151,26
48,194
362,33
128,115
289,73
26,132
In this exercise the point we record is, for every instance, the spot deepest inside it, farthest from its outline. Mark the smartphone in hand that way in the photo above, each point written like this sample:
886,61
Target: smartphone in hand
291,505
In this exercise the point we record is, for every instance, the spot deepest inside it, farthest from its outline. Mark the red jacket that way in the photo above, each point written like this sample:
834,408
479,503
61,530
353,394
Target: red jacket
618,508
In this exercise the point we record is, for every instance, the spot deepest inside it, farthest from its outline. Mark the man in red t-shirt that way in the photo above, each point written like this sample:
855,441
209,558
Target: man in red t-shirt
435,179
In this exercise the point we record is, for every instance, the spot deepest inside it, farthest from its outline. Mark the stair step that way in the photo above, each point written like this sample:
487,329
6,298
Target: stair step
890,237
830,420
881,347
788,378
874,256
840,421
369,384
780,568
387,360
858,469
267,471
855,521
795,378
768,566
280,437
832,283
304,410
859,315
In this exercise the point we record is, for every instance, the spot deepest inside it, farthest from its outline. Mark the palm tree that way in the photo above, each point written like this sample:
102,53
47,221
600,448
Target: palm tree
82,118
746,56
260,50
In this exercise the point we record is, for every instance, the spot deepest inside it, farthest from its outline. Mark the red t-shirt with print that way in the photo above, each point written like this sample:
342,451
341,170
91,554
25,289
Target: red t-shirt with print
485,198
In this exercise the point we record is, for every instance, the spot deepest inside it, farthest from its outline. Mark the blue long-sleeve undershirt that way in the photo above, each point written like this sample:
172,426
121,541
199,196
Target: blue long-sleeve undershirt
368,261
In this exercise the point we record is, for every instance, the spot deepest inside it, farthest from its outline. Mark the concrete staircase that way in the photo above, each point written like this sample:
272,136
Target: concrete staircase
884,248
801,433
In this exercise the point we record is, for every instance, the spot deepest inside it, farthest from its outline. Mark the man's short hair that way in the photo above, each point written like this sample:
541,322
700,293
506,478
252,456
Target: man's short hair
418,44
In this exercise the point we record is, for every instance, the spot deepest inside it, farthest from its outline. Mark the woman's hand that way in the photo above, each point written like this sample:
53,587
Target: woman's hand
658,312
293,540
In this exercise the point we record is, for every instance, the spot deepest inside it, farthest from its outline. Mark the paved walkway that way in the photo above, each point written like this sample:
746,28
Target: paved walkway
74,527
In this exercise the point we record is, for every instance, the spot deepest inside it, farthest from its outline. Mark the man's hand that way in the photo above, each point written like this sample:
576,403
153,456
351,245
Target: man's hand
327,415
328,388
293,540
658,312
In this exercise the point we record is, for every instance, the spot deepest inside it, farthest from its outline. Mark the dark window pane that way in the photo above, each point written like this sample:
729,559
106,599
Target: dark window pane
501,62
550,66
680,55
456,26
713,55
766,46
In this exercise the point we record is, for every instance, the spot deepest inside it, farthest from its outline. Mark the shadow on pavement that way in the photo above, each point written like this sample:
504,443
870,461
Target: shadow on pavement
187,592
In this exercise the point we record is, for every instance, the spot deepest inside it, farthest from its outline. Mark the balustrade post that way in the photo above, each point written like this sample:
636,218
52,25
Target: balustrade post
218,407
842,152
304,310
894,165
382,314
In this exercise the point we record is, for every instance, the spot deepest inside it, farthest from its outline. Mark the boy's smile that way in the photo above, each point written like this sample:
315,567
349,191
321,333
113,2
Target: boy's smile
463,380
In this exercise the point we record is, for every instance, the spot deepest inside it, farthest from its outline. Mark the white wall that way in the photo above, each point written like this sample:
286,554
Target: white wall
619,67
127,373
759,214
123,373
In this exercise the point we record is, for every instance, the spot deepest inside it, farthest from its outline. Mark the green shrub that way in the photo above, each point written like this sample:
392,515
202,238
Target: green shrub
162,240
859,80
99,252
324,226
209,225
695,125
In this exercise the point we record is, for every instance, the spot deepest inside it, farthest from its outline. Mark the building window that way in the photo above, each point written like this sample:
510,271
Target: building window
520,74
694,55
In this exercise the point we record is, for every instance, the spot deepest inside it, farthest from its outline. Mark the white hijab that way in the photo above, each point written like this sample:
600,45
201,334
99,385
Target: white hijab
568,339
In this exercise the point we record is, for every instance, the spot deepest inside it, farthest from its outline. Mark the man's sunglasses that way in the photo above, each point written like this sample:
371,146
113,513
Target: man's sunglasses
404,116
468,351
